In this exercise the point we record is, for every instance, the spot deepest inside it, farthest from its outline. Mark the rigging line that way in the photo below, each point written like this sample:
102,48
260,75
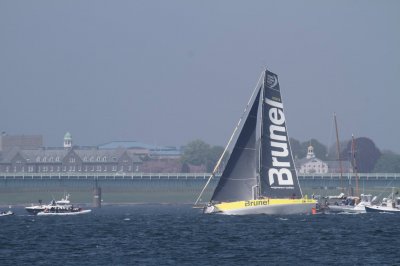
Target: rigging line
385,188
230,140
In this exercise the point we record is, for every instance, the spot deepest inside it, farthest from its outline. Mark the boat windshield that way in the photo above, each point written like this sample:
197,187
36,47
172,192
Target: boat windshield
366,198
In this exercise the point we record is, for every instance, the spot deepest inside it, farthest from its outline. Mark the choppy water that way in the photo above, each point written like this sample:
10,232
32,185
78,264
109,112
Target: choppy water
180,235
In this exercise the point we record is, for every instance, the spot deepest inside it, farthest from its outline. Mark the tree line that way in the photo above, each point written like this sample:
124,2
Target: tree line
367,158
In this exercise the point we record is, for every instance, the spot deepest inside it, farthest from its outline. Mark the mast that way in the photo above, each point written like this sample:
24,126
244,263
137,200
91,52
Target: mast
338,152
353,149
260,142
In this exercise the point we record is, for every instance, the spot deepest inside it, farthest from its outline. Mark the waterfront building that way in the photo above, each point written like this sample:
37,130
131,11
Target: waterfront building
312,165
112,157
75,159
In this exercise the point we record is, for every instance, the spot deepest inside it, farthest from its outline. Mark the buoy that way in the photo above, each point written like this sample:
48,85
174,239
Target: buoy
314,211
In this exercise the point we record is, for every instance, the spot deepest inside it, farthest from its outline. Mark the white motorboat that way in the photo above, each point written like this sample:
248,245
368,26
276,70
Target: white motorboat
35,209
59,207
391,204
350,205
6,213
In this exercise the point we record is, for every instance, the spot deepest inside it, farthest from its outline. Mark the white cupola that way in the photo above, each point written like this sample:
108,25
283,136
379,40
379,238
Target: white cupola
310,152
67,140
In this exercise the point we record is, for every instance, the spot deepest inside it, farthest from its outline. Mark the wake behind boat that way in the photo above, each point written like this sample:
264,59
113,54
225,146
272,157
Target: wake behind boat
62,211
260,176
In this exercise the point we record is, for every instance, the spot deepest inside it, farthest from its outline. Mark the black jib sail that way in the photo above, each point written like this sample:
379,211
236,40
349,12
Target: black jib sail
277,172
238,180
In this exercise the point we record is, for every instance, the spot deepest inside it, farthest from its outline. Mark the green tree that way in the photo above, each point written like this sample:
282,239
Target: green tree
366,154
389,162
196,152
332,150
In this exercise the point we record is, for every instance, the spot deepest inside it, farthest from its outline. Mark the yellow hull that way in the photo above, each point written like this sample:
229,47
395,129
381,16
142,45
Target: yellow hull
266,206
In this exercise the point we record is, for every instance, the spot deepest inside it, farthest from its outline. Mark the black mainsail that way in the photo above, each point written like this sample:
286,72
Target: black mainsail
261,162
278,175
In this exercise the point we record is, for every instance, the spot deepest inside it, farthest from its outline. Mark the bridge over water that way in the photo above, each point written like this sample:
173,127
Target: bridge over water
22,188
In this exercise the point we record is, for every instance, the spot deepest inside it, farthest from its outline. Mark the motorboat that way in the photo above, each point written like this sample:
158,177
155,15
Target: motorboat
35,209
59,207
6,213
391,204
353,204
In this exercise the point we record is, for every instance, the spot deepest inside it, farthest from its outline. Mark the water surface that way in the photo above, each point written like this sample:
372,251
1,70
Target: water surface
180,235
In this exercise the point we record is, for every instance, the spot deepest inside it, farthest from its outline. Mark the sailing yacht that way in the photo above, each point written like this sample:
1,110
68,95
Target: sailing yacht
260,175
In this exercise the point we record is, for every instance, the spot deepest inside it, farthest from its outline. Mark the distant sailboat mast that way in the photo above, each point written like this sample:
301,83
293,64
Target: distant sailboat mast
353,151
338,152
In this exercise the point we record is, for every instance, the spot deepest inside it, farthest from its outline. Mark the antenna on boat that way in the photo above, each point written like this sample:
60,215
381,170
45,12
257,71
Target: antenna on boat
230,140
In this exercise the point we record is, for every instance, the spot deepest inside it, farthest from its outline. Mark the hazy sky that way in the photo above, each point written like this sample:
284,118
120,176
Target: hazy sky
168,72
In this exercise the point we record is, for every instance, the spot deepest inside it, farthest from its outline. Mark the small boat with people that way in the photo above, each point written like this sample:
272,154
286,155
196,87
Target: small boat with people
390,204
352,204
59,207
6,213
35,209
